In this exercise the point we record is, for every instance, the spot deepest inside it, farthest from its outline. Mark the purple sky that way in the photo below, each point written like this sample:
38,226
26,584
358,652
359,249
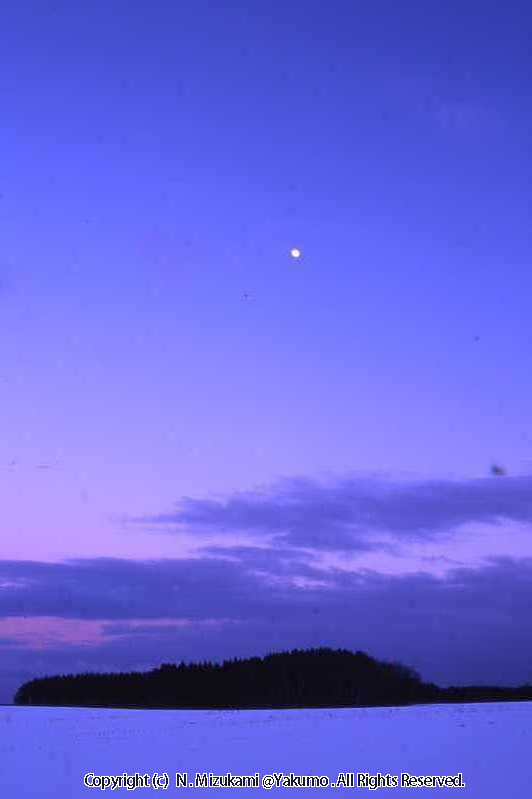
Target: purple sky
210,448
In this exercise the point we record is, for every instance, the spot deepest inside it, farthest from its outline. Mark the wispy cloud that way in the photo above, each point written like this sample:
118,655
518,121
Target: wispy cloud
472,119
354,513
464,115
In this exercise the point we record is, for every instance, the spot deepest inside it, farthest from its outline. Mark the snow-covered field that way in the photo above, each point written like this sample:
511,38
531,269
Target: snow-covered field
46,752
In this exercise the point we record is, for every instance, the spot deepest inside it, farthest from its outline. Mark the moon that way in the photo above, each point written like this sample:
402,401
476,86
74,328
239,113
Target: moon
295,253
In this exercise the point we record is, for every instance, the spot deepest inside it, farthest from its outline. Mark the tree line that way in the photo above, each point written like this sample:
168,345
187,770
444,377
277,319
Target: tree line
300,678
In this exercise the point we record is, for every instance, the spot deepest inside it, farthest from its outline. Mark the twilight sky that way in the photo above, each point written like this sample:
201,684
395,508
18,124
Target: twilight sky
211,448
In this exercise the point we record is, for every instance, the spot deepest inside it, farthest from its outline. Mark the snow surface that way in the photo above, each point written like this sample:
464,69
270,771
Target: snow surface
45,752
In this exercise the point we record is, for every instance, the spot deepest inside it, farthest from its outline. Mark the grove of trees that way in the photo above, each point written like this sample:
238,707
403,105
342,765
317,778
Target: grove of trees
300,678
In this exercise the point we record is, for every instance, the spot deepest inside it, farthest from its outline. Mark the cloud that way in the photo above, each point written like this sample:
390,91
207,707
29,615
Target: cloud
110,588
465,117
463,114
280,561
354,513
473,625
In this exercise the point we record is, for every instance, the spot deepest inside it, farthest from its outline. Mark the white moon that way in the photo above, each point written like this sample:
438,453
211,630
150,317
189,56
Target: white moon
295,253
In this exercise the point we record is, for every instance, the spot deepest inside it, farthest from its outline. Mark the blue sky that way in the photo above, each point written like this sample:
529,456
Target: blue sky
163,355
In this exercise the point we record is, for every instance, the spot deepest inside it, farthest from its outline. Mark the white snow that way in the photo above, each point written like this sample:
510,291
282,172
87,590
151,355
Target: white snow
46,752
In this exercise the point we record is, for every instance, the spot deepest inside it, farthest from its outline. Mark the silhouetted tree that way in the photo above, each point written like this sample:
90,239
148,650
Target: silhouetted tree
300,678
